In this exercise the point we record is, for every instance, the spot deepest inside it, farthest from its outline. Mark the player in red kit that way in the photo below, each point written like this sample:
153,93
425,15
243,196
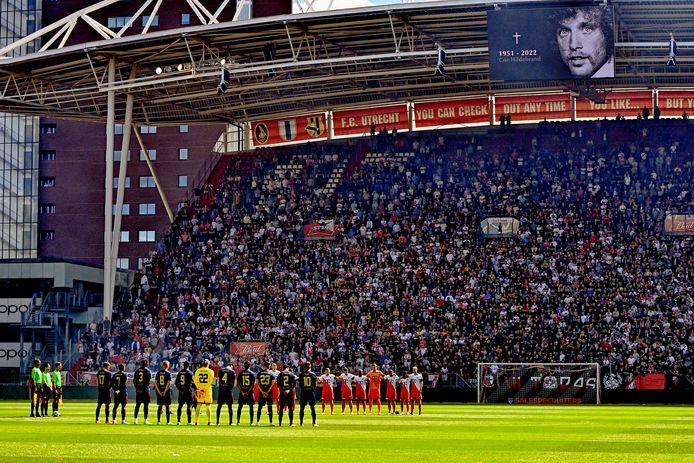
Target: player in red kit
346,390
328,381
362,382
391,393
405,394
375,376
417,385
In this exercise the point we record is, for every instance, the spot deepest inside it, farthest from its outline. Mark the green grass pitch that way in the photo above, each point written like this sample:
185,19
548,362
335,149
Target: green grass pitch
445,433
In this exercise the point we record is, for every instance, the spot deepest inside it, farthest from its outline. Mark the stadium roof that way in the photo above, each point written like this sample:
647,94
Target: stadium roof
312,62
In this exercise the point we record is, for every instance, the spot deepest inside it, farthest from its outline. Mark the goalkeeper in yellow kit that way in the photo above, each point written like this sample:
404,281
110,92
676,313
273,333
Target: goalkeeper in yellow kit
203,378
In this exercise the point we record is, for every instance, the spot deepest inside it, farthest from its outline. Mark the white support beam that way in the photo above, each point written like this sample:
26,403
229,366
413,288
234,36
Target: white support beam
150,20
108,196
160,189
133,18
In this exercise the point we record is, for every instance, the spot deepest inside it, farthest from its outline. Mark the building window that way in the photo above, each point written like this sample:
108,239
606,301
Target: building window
152,155
48,155
28,160
246,7
116,22
147,181
47,208
126,209
182,181
117,155
28,185
148,129
123,263
46,235
185,19
155,21
182,154
127,182
124,236
148,209
118,129
146,236
47,129
183,128
47,182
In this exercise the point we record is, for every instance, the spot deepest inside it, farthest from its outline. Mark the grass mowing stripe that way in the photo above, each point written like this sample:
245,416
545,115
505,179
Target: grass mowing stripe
465,433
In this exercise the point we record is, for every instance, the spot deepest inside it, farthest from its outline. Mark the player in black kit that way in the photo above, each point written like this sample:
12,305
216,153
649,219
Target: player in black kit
225,379
307,385
245,383
265,381
162,386
120,393
286,381
141,380
103,378
185,386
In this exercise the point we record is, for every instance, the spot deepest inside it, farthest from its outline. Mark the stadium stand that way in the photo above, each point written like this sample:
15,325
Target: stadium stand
409,279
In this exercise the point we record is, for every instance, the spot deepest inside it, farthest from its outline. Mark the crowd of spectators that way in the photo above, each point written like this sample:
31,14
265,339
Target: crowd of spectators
409,279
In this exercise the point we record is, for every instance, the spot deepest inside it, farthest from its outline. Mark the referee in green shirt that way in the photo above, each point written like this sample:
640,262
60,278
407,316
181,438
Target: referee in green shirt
57,387
47,388
35,388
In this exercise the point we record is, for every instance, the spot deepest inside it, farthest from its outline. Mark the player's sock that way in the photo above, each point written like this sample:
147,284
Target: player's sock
230,409
269,413
178,413
189,413
159,414
115,412
137,410
146,407
291,416
378,403
251,407
257,418
301,416
122,413
313,414
98,411
371,406
168,414
343,406
219,412
350,407
279,414
108,409
197,413
238,414
208,409
419,405
323,407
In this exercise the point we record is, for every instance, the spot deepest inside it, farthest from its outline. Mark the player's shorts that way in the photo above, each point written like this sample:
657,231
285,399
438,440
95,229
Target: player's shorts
328,394
391,395
287,401
307,397
246,400
120,399
404,395
375,393
185,397
262,401
47,392
204,396
416,394
104,397
225,396
57,393
346,393
142,396
361,394
165,399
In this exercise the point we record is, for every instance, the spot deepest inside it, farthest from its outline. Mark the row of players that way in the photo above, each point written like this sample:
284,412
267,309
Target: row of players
268,387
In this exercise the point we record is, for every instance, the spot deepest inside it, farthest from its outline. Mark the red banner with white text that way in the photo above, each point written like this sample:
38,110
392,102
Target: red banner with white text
436,114
358,121
533,107
627,104
300,128
248,349
675,103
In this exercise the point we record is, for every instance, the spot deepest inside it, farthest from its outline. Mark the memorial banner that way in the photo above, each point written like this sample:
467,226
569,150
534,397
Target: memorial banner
627,104
359,121
468,111
300,128
533,107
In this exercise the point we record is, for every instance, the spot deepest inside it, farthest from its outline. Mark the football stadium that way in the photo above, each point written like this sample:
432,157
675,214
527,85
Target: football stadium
425,230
